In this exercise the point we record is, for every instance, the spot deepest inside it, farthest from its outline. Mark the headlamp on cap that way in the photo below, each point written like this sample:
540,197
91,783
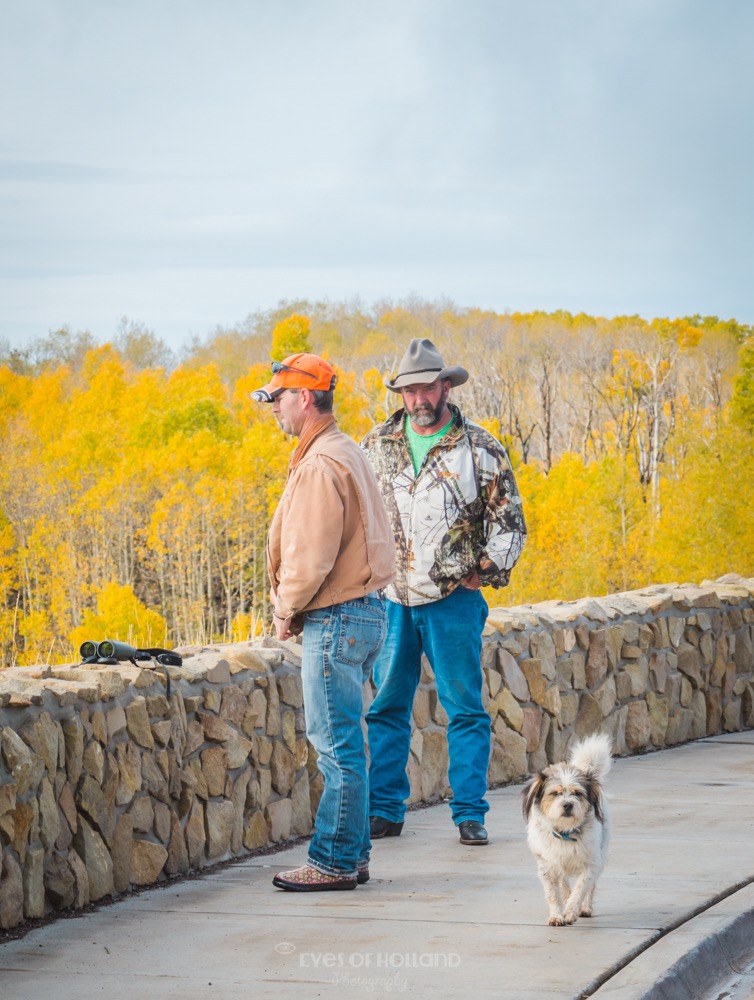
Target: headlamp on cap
263,396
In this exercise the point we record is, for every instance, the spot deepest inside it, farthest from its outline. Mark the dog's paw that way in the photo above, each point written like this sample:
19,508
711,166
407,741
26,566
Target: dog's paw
569,917
585,913
557,921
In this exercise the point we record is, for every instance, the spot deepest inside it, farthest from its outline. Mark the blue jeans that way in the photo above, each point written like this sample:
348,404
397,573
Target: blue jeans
339,647
449,631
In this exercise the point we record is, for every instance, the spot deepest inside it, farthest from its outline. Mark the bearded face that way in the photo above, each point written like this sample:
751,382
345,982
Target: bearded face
426,404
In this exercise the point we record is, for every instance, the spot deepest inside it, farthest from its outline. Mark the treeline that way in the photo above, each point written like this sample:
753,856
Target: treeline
136,485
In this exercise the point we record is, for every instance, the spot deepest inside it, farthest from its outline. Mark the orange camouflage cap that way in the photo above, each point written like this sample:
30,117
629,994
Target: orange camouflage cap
299,371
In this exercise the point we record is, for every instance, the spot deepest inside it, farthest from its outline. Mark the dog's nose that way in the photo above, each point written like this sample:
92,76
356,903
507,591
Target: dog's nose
567,808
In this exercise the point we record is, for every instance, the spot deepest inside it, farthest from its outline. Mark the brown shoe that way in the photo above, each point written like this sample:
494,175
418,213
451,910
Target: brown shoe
309,879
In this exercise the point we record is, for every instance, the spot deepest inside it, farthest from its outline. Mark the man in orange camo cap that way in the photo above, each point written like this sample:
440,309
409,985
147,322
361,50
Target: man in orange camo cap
330,553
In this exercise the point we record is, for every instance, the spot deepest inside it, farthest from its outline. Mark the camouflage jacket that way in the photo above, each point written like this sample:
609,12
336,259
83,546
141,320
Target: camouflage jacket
461,512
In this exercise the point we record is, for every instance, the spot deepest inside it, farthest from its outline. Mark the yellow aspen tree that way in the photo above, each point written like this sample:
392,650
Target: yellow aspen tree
707,523
742,403
291,336
9,592
122,616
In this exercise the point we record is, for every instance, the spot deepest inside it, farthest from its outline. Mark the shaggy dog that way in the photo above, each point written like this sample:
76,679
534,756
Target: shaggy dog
568,828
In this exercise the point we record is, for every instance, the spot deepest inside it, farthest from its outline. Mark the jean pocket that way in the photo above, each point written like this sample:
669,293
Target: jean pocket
319,617
359,636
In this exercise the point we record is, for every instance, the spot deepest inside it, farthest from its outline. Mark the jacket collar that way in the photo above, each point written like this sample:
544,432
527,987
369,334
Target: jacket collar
310,435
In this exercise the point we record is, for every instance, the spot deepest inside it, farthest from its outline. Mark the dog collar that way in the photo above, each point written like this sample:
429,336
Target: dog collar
569,835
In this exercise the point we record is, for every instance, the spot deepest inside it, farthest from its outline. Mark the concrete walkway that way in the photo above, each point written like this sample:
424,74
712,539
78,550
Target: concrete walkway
442,920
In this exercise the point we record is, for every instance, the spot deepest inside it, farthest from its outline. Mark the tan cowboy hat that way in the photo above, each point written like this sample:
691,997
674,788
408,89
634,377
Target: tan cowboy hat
422,363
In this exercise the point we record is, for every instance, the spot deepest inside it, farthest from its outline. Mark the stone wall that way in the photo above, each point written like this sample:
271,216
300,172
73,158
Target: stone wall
106,784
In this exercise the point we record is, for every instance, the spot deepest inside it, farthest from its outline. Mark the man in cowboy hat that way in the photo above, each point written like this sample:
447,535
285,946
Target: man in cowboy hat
457,521
329,554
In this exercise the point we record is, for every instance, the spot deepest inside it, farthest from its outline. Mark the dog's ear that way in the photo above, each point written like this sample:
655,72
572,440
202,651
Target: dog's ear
594,795
532,793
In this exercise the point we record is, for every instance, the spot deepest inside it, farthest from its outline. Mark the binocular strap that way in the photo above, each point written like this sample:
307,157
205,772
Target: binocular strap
164,657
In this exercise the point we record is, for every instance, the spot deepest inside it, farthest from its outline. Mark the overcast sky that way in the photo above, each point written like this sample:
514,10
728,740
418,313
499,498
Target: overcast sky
187,162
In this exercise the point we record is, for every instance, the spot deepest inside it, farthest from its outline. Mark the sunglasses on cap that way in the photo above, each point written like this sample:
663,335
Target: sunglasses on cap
278,366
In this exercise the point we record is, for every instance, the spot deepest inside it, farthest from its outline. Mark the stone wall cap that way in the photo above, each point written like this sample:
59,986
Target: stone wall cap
731,587
190,672
12,683
66,692
560,611
627,604
691,596
287,649
111,680
592,609
26,673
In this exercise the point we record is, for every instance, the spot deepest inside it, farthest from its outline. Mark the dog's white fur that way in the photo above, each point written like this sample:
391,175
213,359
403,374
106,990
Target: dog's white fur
568,827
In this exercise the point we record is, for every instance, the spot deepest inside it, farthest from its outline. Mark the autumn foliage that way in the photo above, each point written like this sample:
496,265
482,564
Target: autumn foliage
135,498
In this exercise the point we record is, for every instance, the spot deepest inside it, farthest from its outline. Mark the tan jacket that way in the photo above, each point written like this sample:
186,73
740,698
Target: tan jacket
330,540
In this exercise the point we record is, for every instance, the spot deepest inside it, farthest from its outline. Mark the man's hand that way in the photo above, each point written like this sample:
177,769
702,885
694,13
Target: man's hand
472,581
287,628
282,627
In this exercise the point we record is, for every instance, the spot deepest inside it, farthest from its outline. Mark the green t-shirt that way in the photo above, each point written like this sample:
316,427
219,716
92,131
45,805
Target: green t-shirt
419,444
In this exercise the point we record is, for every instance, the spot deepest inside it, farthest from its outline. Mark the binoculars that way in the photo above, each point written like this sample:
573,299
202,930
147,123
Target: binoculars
108,649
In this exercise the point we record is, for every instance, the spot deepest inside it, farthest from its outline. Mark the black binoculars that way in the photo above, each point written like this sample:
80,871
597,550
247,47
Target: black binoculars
108,649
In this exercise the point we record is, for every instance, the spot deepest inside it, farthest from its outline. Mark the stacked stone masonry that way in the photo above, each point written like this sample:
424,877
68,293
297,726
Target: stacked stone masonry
106,784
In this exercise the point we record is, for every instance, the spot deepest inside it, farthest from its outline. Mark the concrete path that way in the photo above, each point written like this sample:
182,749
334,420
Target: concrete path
439,920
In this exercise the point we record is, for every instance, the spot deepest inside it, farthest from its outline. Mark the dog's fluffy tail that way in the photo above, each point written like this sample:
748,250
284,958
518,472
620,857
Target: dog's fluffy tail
593,754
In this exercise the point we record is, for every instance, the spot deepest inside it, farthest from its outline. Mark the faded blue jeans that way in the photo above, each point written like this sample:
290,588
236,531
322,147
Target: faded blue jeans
449,631
340,644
